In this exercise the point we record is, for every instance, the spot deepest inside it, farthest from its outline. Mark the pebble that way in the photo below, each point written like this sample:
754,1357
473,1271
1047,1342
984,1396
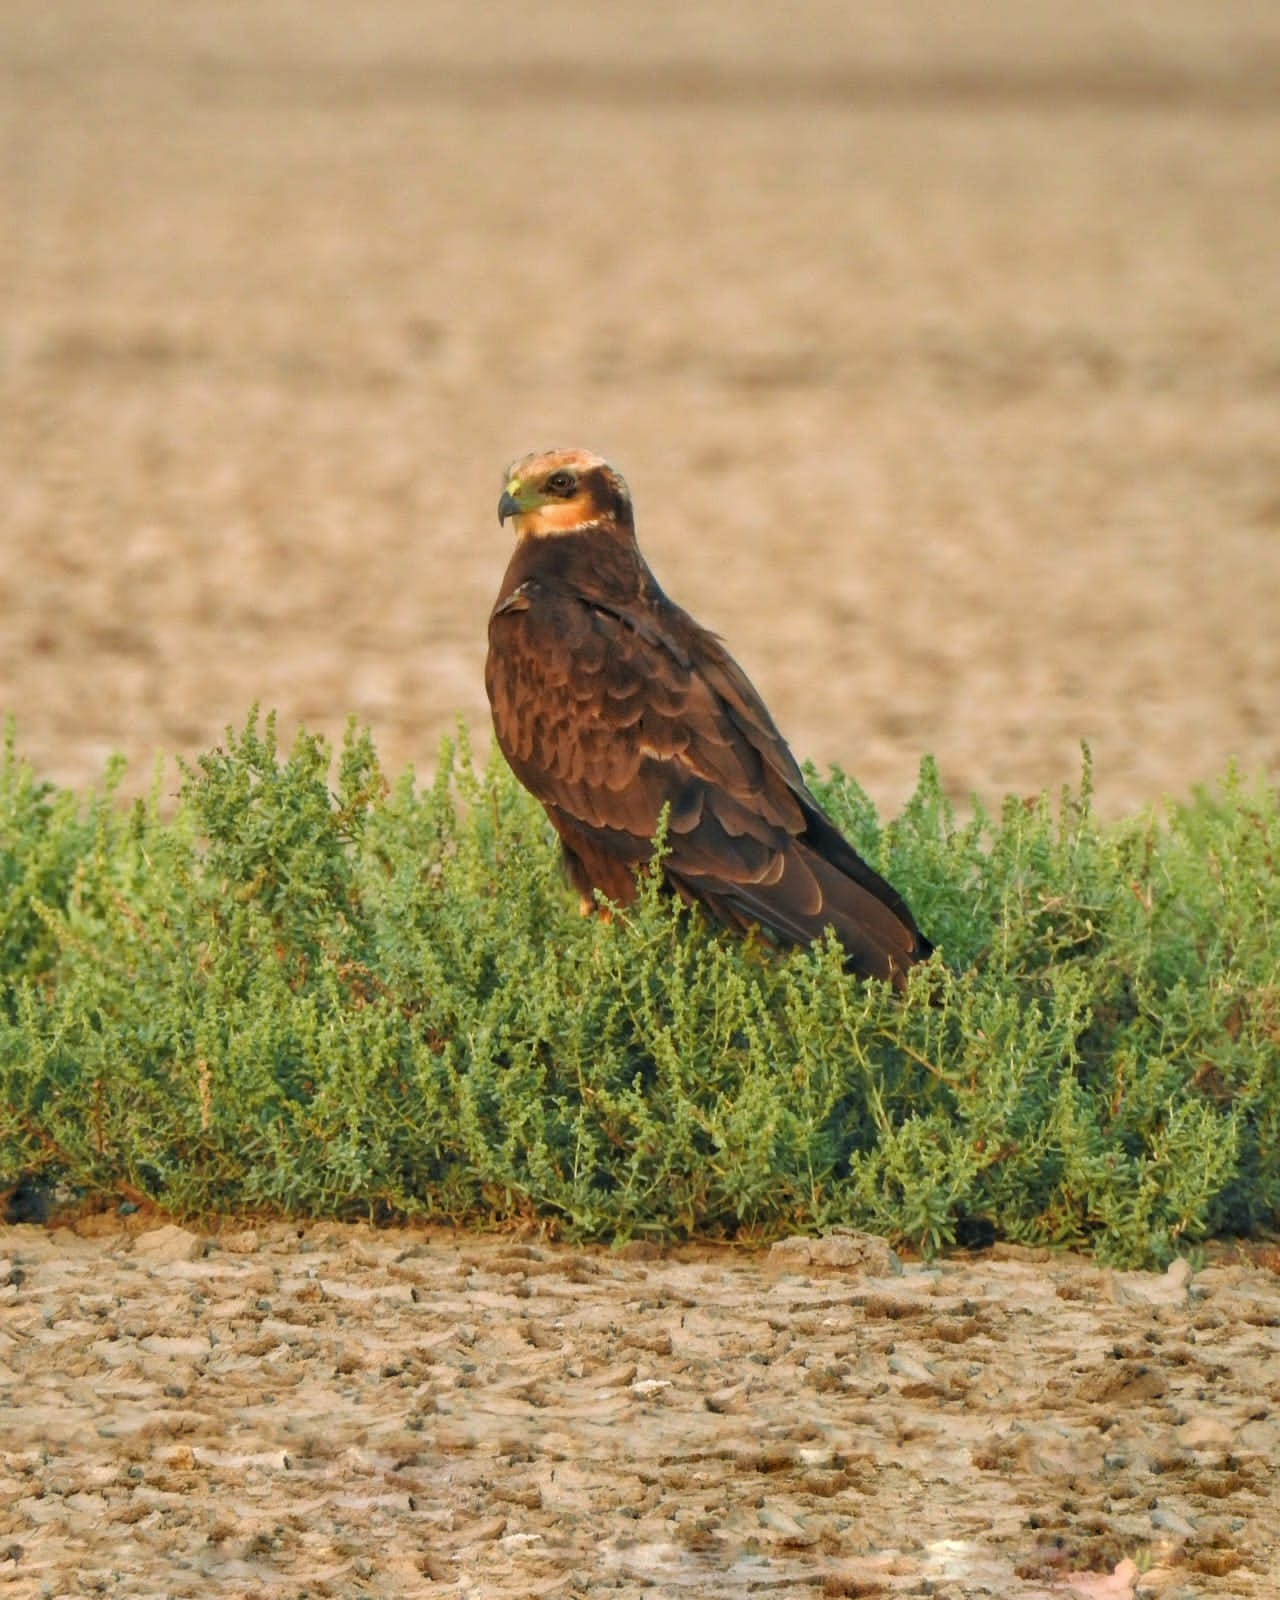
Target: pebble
857,1252
791,1531
1168,1521
242,1242
168,1244
1169,1288
1206,1433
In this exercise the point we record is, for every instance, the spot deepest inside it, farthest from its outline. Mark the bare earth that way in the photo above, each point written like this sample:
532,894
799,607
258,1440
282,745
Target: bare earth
942,352
941,346
337,1411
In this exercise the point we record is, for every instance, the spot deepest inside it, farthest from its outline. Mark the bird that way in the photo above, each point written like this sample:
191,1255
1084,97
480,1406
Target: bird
612,704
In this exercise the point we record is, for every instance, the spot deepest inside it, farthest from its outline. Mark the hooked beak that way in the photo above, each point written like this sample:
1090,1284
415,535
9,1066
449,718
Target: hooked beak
508,506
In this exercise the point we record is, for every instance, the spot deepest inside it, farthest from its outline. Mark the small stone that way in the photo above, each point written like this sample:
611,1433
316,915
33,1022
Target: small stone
1168,1521
1168,1288
243,1242
657,1342
1178,1273
168,1244
480,1532
1206,1433
176,1346
638,1250
915,1372
616,1377
857,1252
786,1527
725,1400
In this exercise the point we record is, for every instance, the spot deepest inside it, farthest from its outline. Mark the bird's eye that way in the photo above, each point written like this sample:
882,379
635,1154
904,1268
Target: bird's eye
562,483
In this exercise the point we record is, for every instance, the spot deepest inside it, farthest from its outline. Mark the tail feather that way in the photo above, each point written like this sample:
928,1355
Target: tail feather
811,894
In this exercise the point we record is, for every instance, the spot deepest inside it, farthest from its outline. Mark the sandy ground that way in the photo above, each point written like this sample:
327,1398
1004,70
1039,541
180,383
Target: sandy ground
941,345
336,1411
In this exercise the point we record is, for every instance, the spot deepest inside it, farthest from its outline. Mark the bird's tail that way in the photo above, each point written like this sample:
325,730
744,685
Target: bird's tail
810,893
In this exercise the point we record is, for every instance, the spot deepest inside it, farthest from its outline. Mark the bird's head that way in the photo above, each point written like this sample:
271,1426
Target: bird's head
562,491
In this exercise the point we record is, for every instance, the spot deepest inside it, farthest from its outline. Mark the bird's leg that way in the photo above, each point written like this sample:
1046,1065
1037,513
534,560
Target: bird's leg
587,907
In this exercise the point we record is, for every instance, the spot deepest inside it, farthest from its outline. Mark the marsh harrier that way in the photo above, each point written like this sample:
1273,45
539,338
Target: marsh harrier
610,702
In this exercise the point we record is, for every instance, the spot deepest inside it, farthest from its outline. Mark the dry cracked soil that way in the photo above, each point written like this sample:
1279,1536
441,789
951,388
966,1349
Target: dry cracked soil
288,1410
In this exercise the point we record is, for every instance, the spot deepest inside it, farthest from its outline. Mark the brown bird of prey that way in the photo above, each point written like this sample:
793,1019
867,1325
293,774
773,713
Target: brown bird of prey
610,702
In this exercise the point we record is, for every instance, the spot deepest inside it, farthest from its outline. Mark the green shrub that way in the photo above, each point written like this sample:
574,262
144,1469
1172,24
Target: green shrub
382,1001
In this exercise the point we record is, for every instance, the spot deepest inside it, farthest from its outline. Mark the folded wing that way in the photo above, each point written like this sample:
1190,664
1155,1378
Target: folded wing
609,713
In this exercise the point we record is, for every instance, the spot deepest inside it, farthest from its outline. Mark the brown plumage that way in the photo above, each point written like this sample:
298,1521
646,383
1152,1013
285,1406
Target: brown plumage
610,702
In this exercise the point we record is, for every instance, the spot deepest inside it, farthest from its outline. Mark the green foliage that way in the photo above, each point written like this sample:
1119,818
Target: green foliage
383,1001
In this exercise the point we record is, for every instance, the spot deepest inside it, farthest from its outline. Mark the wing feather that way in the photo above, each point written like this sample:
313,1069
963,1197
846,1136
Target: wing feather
609,712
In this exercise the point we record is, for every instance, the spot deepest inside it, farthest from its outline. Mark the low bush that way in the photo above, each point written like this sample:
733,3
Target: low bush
382,1001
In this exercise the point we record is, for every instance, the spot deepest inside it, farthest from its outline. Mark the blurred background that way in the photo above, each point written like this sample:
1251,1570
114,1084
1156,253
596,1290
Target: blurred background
940,344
